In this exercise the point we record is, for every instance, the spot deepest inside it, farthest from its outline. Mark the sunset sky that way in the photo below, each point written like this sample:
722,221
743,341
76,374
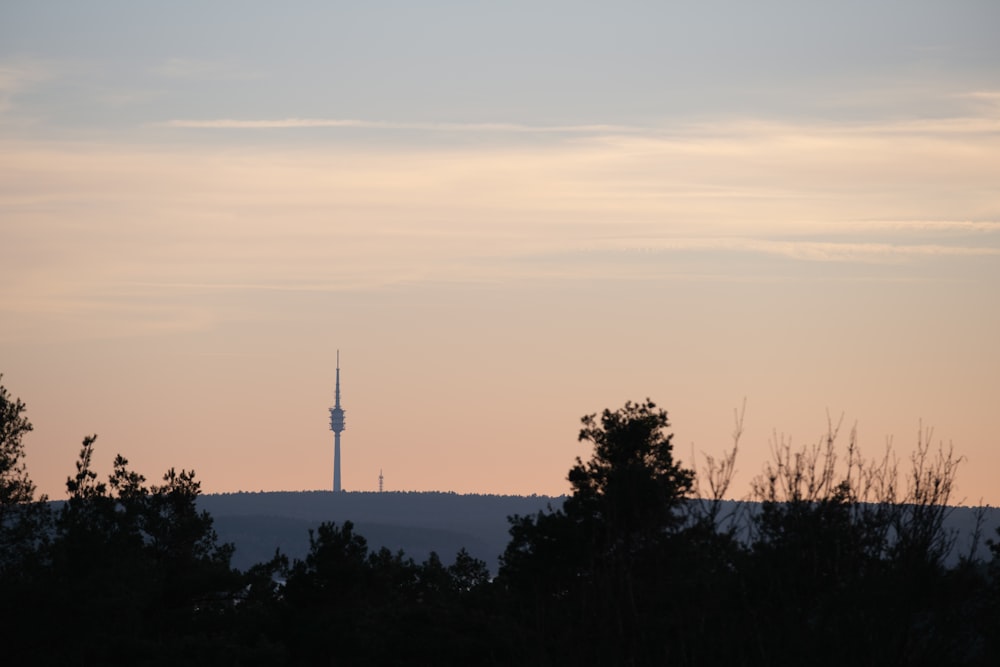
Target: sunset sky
505,216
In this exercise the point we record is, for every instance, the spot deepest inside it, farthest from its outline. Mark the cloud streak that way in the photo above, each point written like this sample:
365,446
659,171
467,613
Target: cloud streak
301,123
16,76
91,222
978,117
823,251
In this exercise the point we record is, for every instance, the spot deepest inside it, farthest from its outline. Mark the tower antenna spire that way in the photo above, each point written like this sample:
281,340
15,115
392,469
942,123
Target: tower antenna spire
337,396
336,425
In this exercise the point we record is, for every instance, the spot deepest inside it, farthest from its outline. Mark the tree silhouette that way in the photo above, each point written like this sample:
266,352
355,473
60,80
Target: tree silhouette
132,574
593,574
840,549
15,485
21,518
24,530
347,605
631,487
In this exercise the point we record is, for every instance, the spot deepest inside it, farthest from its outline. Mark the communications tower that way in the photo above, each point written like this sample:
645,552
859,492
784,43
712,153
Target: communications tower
337,425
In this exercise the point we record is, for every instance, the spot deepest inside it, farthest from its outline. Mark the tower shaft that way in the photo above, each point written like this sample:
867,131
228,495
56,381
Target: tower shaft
336,425
336,461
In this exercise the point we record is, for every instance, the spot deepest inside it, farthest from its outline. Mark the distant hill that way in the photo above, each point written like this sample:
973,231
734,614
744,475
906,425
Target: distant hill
417,522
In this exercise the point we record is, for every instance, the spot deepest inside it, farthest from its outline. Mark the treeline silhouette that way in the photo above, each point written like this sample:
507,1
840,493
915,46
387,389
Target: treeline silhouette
839,564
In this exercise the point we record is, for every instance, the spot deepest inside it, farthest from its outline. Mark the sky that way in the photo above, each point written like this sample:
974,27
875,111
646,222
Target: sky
505,216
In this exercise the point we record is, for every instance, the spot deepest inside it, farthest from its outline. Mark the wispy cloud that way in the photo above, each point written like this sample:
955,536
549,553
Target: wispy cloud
185,221
286,123
15,76
979,114
956,226
962,125
990,97
811,250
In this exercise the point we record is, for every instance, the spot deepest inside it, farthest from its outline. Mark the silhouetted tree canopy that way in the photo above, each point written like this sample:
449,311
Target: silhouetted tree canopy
22,520
829,564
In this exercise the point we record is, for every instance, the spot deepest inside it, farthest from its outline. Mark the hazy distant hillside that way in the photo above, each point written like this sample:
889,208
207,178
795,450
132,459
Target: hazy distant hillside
417,523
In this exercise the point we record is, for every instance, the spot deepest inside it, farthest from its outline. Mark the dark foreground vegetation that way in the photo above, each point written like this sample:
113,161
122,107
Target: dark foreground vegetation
838,563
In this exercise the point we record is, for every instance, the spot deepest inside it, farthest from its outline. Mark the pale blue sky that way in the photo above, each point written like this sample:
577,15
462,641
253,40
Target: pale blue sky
105,64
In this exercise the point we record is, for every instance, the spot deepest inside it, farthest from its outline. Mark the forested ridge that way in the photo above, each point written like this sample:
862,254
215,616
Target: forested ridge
843,560
417,522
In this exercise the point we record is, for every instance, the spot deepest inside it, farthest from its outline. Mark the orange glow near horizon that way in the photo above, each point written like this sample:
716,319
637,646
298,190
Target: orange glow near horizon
187,238
186,308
